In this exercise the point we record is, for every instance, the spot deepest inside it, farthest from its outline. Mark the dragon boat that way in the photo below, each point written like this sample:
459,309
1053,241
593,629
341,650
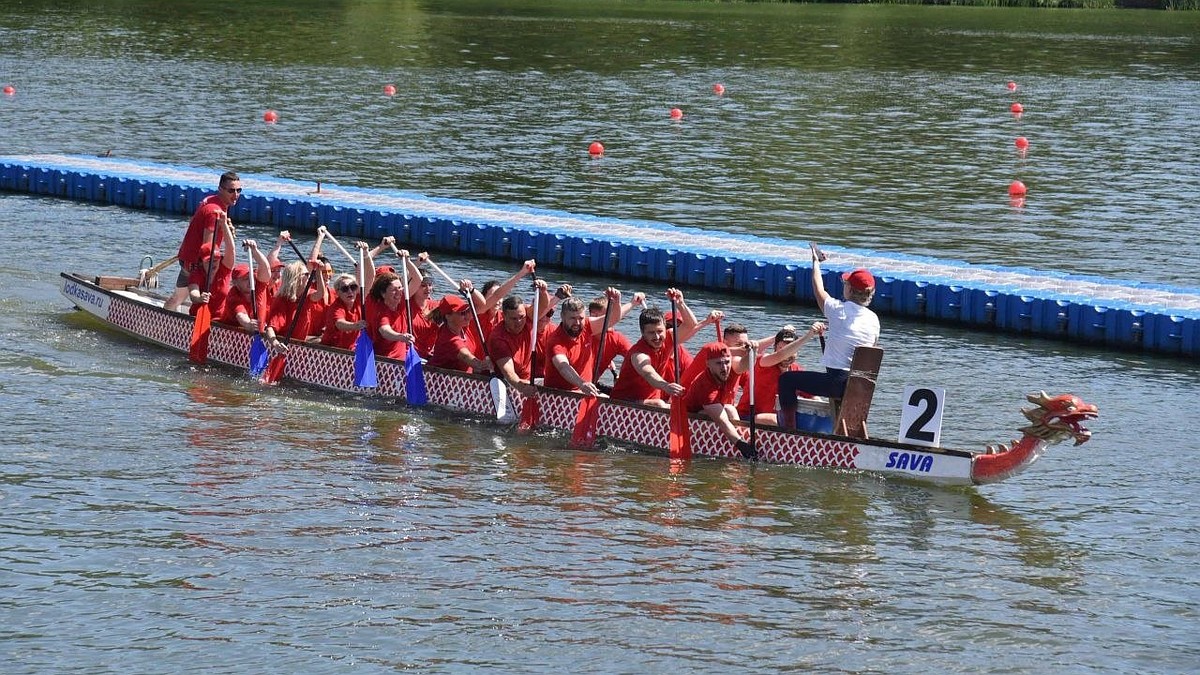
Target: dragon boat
131,306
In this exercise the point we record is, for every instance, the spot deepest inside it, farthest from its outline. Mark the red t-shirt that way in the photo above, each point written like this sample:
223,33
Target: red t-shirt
580,352
394,319
449,344
334,336
630,385
204,220
615,344
236,302
502,344
424,330
704,390
280,316
766,386
217,292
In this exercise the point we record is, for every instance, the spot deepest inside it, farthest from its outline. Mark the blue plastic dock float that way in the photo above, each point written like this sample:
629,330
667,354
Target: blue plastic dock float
1147,317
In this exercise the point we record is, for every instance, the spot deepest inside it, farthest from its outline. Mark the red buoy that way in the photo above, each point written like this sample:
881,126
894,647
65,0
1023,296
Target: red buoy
676,114
1021,142
9,90
1016,189
596,149
389,90
719,89
1012,86
1017,108
270,117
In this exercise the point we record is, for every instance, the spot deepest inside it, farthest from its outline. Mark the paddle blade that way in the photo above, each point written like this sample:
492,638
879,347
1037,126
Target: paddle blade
500,399
679,438
274,371
198,351
364,361
586,421
531,415
414,378
259,355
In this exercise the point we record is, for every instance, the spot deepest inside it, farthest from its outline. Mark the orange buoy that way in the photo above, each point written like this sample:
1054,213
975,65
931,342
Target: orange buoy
596,149
1016,189
389,90
1017,108
9,90
676,114
270,117
719,89
1021,143
1012,86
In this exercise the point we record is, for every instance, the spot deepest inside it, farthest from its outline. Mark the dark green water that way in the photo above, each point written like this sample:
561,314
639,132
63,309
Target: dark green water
157,518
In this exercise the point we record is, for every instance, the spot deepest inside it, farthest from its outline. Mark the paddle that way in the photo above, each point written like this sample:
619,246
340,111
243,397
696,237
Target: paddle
753,412
198,350
341,248
279,360
364,349
414,368
588,417
678,441
259,355
530,412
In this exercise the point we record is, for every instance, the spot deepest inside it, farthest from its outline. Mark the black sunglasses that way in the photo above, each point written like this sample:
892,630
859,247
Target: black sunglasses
233,190
351,287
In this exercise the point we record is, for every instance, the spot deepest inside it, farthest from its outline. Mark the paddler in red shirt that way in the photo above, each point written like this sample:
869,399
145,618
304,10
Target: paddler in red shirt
240,309
712,392
208,282
459,345
648,374
571,348
203,229
510,342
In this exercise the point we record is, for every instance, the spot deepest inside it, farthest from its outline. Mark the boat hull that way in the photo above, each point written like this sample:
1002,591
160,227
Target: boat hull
313,365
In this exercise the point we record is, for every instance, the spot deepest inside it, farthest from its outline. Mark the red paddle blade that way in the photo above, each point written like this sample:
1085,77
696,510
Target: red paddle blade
530,415
198,351
679,438
586,422
275,369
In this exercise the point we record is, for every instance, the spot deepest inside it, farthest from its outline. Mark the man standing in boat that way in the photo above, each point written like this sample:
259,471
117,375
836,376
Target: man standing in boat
571,348
203,229
851,325
648,374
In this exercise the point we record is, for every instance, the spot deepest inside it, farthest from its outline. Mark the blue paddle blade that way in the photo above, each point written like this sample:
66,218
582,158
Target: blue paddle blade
259,356
414,378
364,361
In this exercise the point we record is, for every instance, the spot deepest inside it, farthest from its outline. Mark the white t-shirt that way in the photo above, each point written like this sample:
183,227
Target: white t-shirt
850,325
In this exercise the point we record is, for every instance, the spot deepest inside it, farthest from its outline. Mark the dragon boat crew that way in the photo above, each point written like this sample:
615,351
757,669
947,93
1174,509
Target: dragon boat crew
850,325
571,348
712,391
768,370
648,374
510,343
240,308
459,345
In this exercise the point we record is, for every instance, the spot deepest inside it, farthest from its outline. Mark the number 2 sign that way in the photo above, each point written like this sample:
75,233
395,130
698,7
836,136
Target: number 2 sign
921,417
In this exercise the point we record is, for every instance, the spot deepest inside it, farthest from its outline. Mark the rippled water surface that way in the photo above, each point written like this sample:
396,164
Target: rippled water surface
155,517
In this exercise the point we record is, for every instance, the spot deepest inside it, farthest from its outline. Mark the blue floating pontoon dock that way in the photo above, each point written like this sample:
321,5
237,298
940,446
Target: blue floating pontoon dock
1118,314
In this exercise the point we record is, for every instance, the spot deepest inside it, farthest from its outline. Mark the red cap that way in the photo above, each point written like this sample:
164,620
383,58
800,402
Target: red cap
713,350
241,271
276,264
452,304
860,279
385,269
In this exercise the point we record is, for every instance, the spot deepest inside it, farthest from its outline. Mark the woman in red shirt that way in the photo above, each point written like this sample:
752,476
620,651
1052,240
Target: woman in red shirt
459,346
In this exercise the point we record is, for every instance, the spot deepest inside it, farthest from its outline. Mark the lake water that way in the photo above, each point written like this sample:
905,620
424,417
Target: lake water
156,517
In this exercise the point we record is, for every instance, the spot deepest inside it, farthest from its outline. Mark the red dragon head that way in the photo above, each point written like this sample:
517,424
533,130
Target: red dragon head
1057,418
